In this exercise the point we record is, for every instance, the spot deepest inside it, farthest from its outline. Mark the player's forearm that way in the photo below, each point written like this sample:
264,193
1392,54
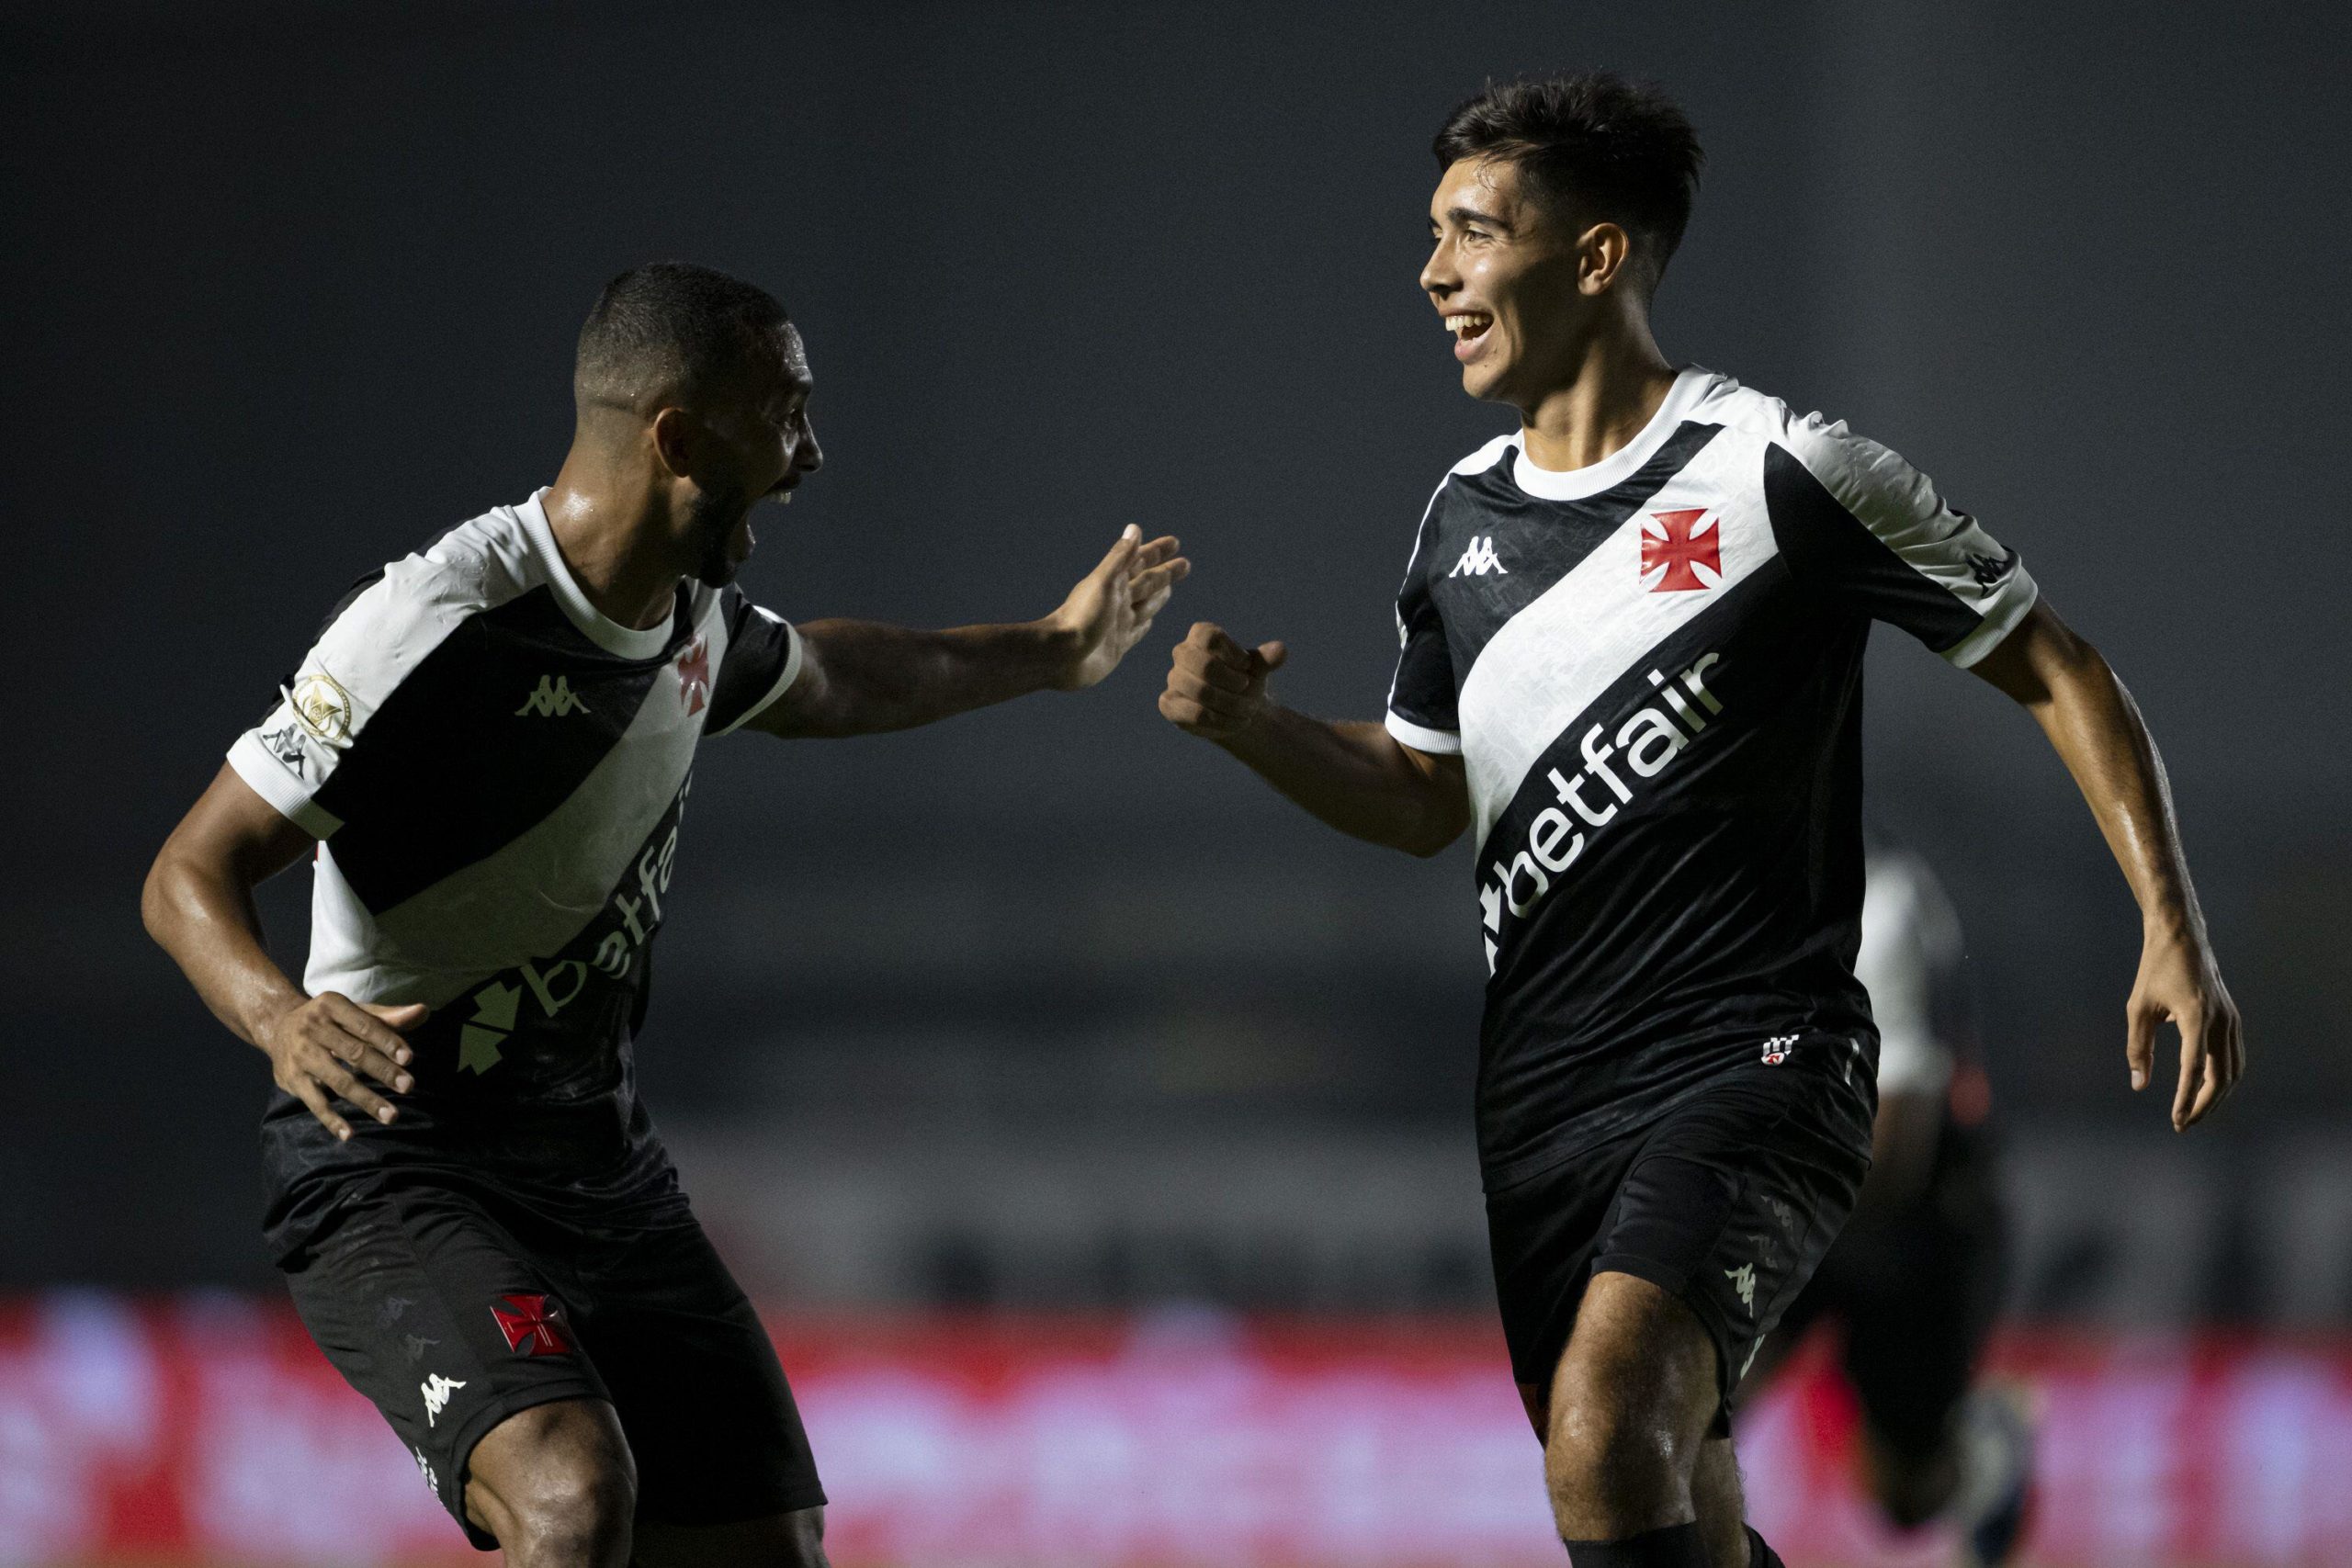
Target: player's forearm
1355,776
205,918
2095,727
868,678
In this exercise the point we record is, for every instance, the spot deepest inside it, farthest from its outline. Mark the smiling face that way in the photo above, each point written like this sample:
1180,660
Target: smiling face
1505,273
752,443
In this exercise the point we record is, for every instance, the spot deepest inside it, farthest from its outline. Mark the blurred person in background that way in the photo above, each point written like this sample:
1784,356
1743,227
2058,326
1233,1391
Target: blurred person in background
1632,636
1913,1284
488,753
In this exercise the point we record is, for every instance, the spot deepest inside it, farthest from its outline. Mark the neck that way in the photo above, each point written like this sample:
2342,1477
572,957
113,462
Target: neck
1613,388
607,525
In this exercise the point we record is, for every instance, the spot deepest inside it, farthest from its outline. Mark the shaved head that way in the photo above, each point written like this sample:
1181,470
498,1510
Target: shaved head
672,332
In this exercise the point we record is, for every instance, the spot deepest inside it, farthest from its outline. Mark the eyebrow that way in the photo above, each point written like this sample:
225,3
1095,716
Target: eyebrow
1472,215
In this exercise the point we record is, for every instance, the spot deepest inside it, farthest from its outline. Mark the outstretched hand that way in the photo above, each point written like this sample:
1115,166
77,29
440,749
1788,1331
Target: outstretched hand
1216,688
1113,606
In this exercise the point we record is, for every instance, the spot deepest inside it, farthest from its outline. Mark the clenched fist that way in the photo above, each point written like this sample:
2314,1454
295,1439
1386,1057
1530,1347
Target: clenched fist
1216,688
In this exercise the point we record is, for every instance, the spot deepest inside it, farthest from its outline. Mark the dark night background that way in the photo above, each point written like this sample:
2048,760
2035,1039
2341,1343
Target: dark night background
289,290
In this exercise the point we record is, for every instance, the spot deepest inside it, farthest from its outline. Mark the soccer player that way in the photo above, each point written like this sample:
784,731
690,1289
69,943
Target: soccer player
1632,635
489,752
1915,1281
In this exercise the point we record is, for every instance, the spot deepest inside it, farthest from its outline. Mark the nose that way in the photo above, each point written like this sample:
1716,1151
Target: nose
810,457
1439,277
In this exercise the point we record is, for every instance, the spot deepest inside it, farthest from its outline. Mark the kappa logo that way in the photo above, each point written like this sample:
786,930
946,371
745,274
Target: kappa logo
424,1468
1675,547
532,1325
1989,570
694,675
1743,1279
436,1390
1480,559
416,1344
554,699
1777,1049
286,744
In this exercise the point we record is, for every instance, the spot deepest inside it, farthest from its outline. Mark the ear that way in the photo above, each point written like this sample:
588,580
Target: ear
672,434
1604,252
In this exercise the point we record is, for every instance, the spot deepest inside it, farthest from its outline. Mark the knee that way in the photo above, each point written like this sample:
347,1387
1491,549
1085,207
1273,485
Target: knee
1601,1444
557,1487
574,1514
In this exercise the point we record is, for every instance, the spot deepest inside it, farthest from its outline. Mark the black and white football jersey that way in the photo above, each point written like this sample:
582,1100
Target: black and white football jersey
1652,670
496,772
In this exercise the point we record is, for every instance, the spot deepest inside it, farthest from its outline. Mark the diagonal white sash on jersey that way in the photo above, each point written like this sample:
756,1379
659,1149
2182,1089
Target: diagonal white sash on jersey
1553,659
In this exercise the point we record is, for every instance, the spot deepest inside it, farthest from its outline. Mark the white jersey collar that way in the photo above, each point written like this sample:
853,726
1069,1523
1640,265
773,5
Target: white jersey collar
625,642
1574,484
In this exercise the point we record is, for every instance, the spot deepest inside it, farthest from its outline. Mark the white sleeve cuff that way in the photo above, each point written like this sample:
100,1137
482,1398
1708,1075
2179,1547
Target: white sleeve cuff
782,682
2016,602
269,780
1420,738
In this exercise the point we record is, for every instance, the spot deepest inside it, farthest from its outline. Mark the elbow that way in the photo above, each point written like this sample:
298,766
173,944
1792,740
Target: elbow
154,899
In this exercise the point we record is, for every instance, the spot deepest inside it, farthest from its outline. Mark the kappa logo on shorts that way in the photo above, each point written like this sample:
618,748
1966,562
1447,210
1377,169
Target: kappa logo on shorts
532,1325
424,1468
436,1390
1777,1049
1743,1279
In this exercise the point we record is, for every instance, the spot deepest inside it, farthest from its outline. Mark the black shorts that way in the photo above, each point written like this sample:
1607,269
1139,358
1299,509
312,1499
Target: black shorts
1727,1202
1916,1291
454,1305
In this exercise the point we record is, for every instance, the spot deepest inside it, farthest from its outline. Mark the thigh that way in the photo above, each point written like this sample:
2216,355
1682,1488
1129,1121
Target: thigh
415,1296
1734,1199
795,1540
709,1417
1543,1232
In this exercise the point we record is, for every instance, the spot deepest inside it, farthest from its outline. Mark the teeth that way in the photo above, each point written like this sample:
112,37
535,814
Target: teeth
1472,324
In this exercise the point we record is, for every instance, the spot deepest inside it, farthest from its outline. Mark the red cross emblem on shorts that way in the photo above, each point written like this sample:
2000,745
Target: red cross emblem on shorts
1671,540
693,674
532,1325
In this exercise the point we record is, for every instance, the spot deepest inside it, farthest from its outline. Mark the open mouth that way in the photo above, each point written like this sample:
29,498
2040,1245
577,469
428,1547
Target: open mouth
1469,329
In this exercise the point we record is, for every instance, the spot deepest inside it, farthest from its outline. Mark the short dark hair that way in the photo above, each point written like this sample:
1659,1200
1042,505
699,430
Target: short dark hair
1593,145
672,329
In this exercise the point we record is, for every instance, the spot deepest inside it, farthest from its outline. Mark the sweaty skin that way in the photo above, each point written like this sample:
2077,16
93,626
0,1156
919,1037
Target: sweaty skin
648,495
1549,314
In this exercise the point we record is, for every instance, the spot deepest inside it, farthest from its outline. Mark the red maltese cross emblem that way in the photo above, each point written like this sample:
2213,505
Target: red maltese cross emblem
532,1325
693,674
1674,545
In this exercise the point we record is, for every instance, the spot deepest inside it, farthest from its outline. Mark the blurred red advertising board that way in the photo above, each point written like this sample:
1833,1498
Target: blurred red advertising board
206,1428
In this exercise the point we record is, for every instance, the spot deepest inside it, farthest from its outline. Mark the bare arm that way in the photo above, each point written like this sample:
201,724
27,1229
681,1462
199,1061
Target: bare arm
1355,776
859,677
2098,734
199,905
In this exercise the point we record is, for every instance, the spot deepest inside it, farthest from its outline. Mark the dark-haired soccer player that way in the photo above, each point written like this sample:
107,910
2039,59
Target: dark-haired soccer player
489,748
1632,637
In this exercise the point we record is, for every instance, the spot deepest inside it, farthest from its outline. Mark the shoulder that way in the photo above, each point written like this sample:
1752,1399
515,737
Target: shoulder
1862,474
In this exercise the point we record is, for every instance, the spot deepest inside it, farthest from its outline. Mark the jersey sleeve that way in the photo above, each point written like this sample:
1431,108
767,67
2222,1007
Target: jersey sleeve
1421,697
1866,527
762,660
373,640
